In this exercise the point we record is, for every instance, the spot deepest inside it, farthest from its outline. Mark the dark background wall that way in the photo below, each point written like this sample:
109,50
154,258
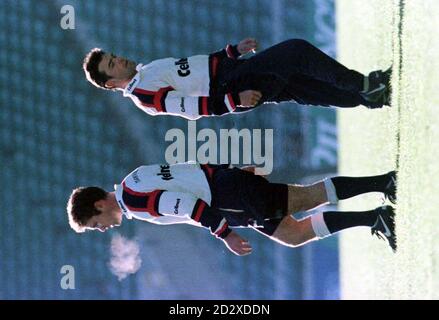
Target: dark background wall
58,132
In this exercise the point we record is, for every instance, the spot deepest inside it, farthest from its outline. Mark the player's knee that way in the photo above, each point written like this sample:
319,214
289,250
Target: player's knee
297,239
291,233
294,241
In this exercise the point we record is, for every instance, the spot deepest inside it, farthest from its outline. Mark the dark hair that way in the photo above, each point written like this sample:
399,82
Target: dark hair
81,206
90,66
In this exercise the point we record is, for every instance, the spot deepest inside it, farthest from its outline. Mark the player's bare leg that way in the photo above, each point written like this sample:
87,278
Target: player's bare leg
293,233
303,198
331,190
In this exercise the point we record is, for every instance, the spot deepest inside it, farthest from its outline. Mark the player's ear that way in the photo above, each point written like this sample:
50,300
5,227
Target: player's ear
100,205
111,84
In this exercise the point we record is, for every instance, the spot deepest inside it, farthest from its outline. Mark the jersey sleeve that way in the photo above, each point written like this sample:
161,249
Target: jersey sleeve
230,51
195,107
182,205
188,107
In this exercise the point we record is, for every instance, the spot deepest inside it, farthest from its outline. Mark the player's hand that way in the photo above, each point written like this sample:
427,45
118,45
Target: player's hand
249,98
237,245
247,45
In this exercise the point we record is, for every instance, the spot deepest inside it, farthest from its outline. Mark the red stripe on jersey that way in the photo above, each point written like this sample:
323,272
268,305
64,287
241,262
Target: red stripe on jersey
204,110
223,228
214,66
201,206
208,169
156,97
143,91
232,103
131,191
151,200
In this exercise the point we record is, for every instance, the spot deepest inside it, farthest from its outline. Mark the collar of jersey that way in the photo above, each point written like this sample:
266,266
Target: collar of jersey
118,192
134,81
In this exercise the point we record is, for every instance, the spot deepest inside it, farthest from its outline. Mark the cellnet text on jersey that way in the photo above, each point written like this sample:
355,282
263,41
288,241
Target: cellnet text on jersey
251,146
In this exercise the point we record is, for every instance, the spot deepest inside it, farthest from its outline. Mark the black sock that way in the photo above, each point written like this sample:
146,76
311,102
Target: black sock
347,187
336,220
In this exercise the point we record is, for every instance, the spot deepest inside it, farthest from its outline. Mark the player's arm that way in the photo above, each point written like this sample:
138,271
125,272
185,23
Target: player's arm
235,51
185,206
187,107
167,101
230,51
195,107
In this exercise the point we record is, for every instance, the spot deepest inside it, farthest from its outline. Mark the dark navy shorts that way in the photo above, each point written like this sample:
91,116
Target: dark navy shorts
296,70
249,200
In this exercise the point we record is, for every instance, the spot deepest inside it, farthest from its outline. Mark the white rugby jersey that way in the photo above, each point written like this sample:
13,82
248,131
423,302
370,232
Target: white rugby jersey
182,87
171,194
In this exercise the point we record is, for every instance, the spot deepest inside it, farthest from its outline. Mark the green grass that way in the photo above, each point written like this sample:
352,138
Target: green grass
371,35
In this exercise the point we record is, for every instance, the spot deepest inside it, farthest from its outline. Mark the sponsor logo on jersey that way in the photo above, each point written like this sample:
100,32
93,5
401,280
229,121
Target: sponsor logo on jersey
131,85
122,206
136,176
176,206
165,172
182,105
183,66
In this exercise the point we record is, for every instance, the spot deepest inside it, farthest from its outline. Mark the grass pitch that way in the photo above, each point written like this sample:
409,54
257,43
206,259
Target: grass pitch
372,35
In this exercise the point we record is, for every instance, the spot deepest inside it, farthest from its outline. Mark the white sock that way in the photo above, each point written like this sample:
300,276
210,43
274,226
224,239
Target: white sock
331,194
319,226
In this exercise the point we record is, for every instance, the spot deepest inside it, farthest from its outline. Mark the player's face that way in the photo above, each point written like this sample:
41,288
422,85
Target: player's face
110,216
117,67
103,222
